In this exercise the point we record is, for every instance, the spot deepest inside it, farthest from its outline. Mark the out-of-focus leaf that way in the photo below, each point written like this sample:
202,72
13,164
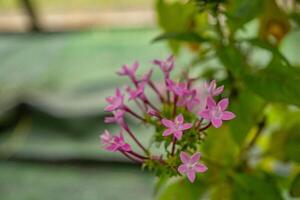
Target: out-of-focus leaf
286,141
242,11
175,17
182,189
295,187
246,107
221,190
233,60
185,37
276,83
248,186
265,45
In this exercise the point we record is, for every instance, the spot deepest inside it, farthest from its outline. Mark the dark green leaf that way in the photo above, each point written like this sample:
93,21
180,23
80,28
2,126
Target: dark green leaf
295,187
185,37
247,107
248,186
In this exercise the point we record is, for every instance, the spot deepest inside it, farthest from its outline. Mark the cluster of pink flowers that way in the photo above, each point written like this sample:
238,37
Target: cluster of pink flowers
178,101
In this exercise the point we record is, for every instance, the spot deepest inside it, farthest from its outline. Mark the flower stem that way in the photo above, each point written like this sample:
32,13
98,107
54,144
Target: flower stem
173,147
134,114
136,140
130,158
205,127
138,155
152,85
175,102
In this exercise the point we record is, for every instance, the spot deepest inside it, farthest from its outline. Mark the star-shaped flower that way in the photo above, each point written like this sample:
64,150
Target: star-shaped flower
138,92
114,143
216,113
115,102
118,117
179,89
190,165
175,127
129,71
212,89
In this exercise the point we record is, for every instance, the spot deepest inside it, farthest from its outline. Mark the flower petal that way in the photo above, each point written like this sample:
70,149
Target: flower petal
191,176
186,126
126,147
195,157
216,122
185,157
205,114
200,168
182,169
167,123
223,104
177,134
218,91
167,132
179,119
228,115
210,102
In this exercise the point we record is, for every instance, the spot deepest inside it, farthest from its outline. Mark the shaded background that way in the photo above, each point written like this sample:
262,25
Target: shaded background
58,62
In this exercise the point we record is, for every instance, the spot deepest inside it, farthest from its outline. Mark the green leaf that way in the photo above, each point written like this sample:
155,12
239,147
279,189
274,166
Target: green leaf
182,189
185,37
248,186
286,140
247,107
276,83
295,187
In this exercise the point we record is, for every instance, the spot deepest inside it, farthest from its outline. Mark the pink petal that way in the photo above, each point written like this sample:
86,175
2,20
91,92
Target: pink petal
218,91
179,118
200,168
223,104
210,102
205,114
109,108
191,176
126,147
195,157
187,126
135,66
177,134
167,132
185,157
182,169
167,123
109,119
212,85
226,115
216,122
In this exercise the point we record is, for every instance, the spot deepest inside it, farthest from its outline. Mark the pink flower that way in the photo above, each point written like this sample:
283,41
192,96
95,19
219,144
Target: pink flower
114,143
176,128
179,89
117,118
130,72
216,112
115,102
212,89
191,165
146,77
189,100
165,65
136,93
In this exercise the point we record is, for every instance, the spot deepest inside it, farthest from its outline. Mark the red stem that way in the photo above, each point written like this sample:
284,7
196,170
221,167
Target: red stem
152,85
173,147
130,158
205,127
136,140
134,114
138,155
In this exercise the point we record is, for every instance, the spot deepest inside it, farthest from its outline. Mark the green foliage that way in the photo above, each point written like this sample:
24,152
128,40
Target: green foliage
257,91
295,187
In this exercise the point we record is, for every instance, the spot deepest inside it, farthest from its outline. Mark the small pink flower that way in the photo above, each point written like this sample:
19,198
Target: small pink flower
114,143
212,89
165,65
115,102
136,93
216,112
176,128
189,100
179,89
191,165
130,72
117,118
